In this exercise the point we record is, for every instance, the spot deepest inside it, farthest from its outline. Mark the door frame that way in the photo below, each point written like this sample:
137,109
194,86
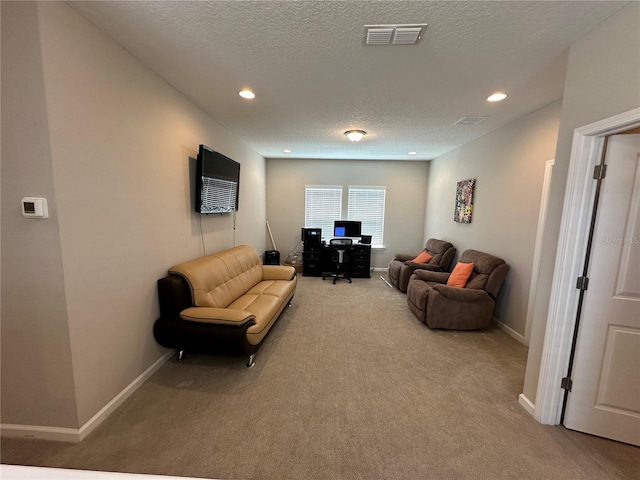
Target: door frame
580,189
537,252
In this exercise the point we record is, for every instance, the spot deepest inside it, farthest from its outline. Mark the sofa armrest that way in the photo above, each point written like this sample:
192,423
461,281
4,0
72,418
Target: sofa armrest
461,294
403,257
424,266
278,272
430,276
220,316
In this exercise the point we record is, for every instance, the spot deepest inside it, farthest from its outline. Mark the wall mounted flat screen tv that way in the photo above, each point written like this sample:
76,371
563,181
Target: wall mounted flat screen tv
347,228
217,182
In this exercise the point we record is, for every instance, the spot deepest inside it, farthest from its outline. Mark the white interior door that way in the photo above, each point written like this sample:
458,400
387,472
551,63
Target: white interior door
605,395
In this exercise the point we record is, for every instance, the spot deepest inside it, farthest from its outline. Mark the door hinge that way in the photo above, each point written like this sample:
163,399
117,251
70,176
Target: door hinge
599,172
566,383
583,283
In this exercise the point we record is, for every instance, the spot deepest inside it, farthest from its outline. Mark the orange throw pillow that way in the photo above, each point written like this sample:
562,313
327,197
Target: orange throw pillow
423,257
460,275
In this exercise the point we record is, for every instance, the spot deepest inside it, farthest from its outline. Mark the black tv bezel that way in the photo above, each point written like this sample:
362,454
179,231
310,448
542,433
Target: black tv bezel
348,224
219,172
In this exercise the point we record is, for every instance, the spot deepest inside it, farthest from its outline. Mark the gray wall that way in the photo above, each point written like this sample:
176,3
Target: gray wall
508,165
110,144
406,184
602,80
37,376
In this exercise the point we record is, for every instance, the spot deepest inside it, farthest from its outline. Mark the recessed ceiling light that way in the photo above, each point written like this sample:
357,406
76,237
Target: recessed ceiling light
287,150
355,135
412,153
247,94
496,97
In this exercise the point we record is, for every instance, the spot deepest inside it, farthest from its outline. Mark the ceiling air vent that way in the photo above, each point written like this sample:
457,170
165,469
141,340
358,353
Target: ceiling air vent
393,34
407,36
469,120
379,36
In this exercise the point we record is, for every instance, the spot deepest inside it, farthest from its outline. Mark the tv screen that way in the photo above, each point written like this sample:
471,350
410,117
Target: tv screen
346,228
217,182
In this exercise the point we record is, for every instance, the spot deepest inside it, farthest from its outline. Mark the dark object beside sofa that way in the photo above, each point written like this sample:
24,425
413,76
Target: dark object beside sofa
402,266
223,303
454,308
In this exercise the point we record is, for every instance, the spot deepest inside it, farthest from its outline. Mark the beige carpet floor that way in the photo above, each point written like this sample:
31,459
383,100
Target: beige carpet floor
349,385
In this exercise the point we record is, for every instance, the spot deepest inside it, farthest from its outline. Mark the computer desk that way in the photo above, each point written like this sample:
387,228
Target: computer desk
316,259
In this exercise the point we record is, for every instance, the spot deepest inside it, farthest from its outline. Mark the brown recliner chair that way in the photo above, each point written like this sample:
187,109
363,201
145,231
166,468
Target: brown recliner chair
468,308
402,266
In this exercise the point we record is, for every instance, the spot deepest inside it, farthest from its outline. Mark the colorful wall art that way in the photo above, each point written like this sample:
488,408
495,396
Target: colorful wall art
464,201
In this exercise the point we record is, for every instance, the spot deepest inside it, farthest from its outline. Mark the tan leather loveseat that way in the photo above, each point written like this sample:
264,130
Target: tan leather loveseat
222,303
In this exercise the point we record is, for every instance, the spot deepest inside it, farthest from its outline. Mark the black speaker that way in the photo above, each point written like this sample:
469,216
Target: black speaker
366,239
271,257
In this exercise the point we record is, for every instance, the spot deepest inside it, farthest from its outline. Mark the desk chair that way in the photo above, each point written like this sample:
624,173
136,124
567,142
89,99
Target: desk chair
340,248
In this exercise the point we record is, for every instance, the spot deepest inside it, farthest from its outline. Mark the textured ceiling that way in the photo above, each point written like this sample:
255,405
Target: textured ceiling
314,78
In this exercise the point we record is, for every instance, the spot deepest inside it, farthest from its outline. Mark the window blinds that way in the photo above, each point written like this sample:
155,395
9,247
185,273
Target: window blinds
366,204
322,205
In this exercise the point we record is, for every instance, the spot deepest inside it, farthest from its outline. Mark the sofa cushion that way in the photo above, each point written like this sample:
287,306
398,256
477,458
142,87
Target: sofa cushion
221,316
442,251
217,280
485,266
460,275
423,257
265,302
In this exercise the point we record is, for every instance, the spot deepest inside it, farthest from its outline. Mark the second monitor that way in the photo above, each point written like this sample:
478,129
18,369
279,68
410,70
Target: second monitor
347,228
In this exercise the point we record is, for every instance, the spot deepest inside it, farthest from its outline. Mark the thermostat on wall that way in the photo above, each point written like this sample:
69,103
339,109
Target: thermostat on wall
35,207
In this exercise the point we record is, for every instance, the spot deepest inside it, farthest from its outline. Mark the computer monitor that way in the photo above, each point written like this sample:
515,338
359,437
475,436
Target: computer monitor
347,228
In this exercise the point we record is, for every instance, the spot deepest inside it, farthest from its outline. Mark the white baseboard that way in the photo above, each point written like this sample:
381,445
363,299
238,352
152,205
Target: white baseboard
76,435
527,404
19,472
57,434
510,331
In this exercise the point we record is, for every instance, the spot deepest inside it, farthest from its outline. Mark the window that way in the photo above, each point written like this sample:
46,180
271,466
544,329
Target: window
322,205
367,205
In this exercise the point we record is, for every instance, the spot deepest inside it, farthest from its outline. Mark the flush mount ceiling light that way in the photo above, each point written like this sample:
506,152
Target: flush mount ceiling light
355,135
286,150
496,97
247,94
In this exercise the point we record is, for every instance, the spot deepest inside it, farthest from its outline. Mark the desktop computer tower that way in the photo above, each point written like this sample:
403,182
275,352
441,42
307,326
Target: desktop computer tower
311,235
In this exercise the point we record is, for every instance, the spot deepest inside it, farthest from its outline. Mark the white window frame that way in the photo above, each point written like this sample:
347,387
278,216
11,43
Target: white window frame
322,205
367,205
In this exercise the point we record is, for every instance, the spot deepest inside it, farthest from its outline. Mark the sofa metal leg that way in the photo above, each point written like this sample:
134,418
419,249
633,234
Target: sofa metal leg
251,363
180,355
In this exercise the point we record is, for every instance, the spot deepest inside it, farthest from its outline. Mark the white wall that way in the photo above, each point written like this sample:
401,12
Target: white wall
112,146
508,165
603,79
37,378
406,184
